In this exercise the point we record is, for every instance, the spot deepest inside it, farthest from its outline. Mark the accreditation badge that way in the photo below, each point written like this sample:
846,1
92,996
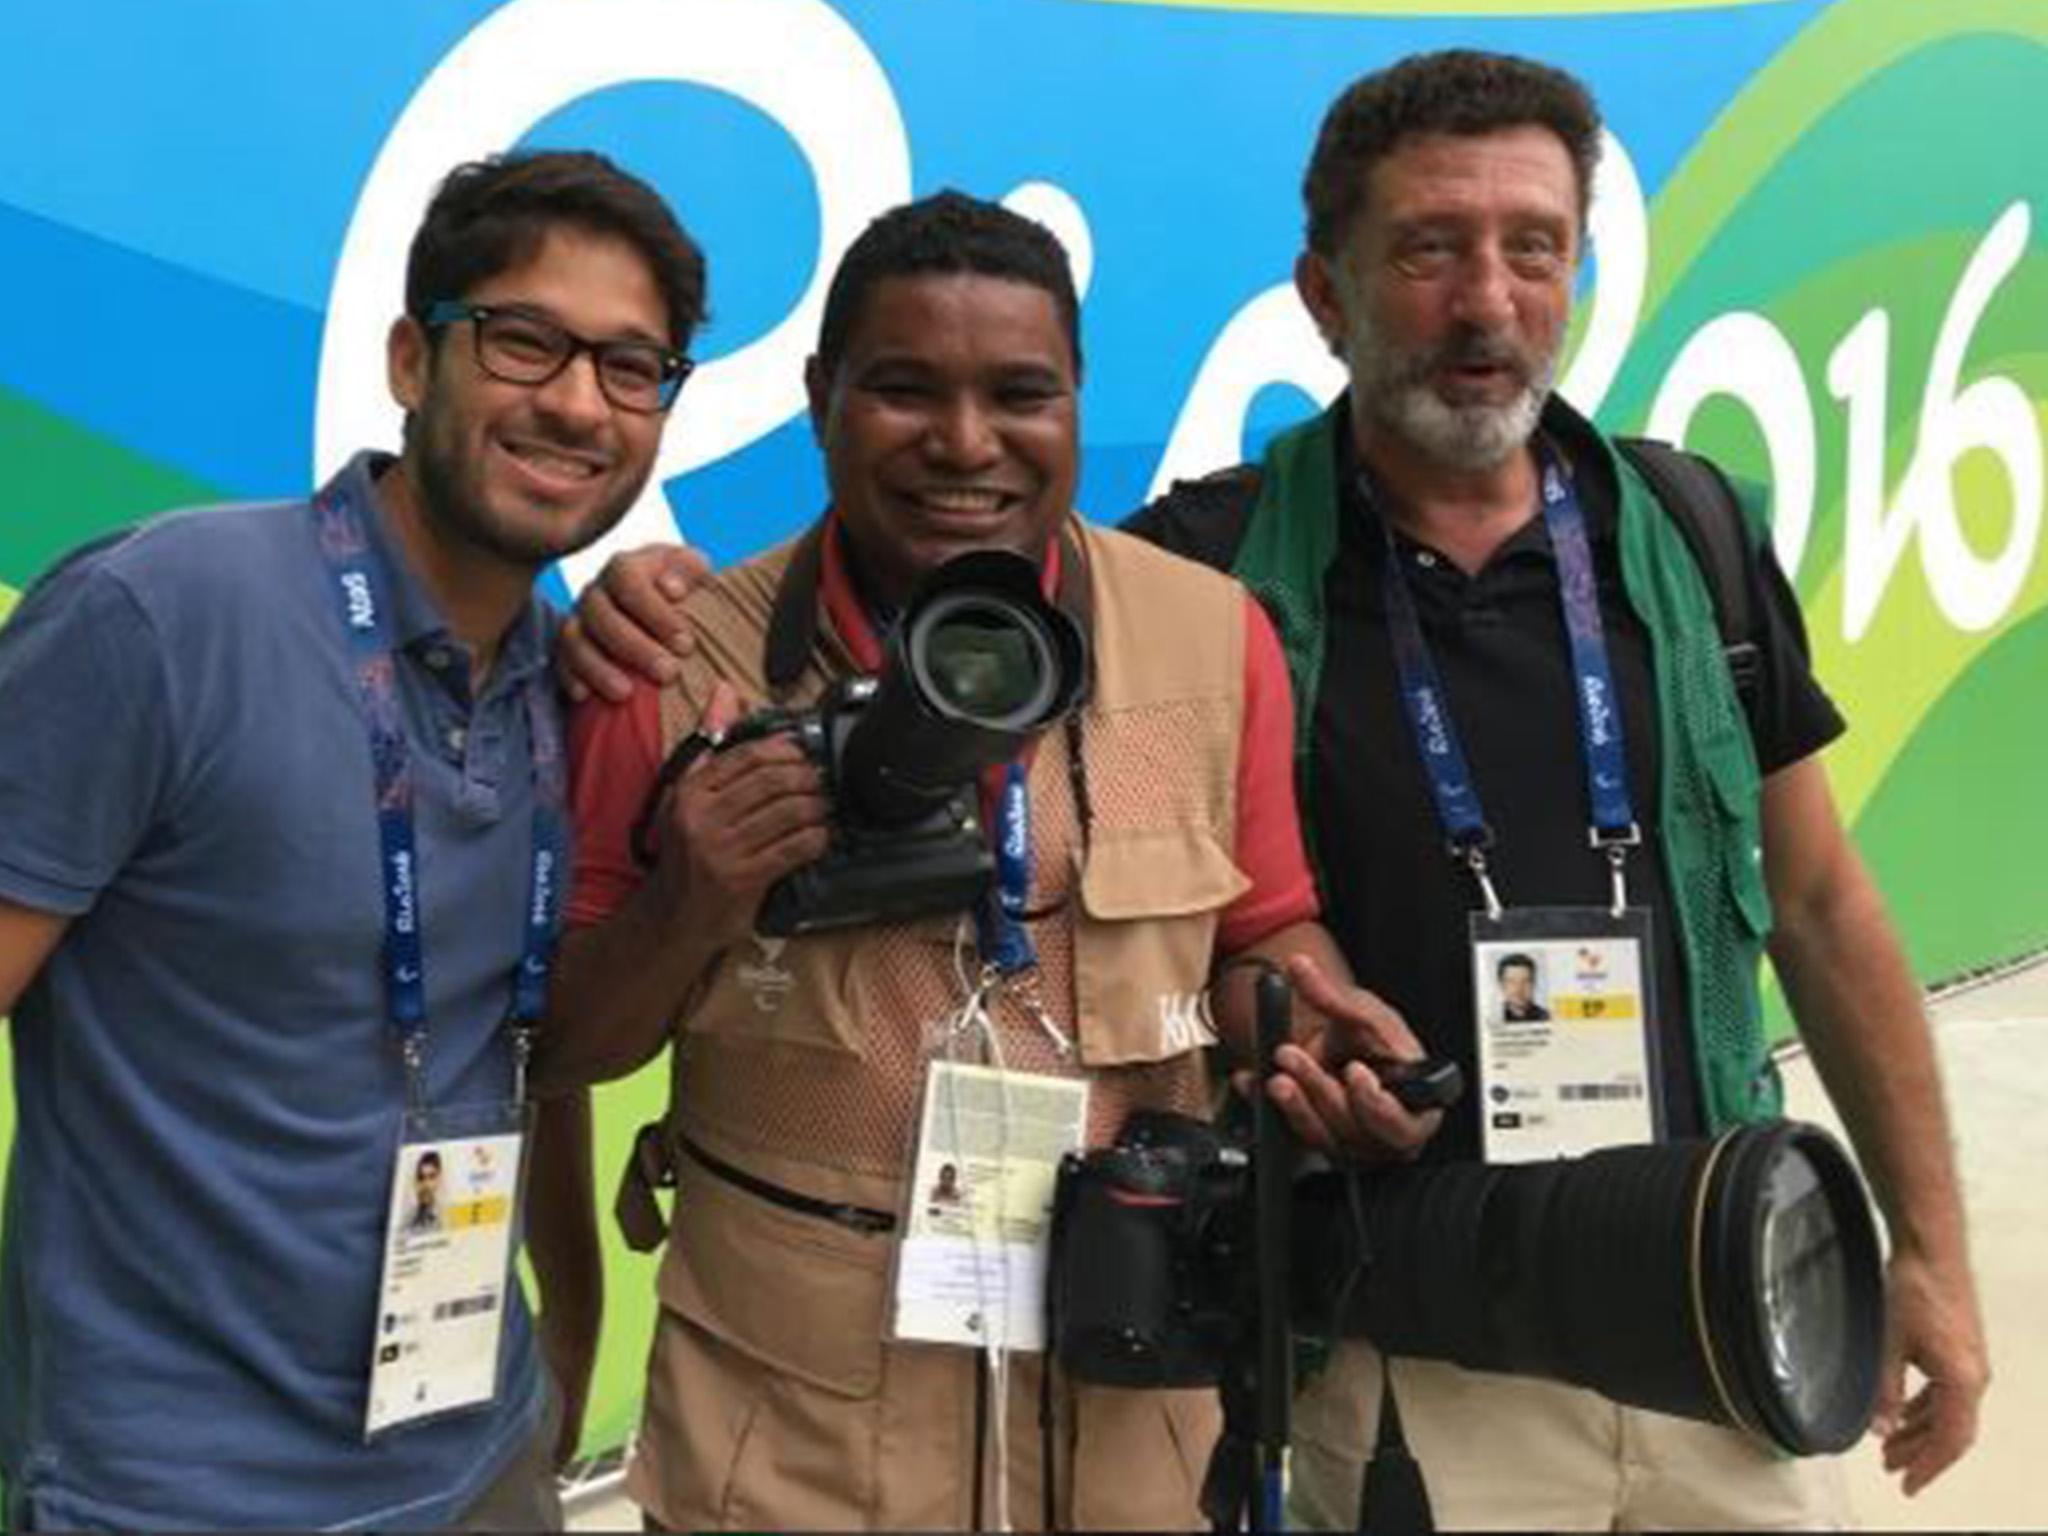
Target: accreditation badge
1567,1040
451,1237
977,1232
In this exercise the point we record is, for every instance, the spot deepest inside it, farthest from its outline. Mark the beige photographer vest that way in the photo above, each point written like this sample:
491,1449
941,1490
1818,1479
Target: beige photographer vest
775,1399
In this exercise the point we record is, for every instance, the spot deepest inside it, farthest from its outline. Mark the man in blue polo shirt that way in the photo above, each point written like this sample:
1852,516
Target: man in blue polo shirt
279,856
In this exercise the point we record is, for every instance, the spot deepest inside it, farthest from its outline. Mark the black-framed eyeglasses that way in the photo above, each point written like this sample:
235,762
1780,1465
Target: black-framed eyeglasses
522,347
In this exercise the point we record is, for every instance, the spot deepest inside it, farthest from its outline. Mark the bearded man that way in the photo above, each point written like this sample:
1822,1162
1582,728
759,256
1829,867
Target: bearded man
1520,737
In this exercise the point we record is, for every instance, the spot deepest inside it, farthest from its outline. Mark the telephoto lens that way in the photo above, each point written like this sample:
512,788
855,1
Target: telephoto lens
1736,1280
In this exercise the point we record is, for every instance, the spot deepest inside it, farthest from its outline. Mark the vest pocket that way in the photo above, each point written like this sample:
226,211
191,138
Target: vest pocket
1144,941
799,1294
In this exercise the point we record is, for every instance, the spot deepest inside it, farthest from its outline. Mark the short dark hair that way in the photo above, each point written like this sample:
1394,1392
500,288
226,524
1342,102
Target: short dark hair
1526,962
428,1159
948,232
1459,91
489,216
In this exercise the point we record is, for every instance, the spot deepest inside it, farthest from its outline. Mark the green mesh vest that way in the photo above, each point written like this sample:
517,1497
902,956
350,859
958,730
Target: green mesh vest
1709,786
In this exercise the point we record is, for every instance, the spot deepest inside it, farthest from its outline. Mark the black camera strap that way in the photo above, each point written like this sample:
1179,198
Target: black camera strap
981,1410
793,623
643,842
1393,1500
1077,777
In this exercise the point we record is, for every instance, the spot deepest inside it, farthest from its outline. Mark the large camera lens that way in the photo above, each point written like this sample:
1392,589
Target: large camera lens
978,665
990,663
1736,1280
1804,1280
1790,1284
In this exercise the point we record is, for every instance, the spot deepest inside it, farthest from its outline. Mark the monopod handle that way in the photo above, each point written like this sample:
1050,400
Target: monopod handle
1272,1208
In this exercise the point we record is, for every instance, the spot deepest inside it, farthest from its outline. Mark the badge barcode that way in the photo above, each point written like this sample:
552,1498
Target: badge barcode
464,1307
1572,1092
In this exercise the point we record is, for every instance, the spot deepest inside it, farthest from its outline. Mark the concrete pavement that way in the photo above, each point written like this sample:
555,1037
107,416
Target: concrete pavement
1993,1042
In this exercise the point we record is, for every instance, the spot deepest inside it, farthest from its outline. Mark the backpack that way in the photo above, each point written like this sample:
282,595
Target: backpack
1701,502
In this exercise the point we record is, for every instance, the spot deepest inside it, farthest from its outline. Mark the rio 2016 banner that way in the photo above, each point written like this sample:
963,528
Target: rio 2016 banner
1816,255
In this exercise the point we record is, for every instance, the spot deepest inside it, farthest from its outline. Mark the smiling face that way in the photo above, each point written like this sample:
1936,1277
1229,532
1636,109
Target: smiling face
1448,299
949,424
526,473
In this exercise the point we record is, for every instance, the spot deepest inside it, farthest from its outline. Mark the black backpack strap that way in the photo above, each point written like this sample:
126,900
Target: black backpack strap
1202,520
1703,504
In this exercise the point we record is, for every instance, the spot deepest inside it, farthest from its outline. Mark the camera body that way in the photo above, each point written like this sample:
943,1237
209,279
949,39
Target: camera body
936,861
1151,1272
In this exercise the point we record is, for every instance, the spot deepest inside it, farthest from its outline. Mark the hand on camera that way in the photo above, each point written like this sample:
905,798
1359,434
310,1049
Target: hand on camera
628,623
736,822
1332,1099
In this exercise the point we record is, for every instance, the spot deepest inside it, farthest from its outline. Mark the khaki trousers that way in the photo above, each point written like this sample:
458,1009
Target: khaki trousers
727,1443
1513,1453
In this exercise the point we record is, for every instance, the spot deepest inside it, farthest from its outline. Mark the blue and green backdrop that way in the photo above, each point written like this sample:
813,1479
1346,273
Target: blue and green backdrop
1817,255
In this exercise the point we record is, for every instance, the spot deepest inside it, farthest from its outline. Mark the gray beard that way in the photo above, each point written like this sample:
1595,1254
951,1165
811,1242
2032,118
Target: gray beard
1467,437
1392,391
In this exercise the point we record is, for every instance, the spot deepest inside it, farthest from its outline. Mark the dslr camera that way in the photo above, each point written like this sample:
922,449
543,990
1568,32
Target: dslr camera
978,663
1736,1280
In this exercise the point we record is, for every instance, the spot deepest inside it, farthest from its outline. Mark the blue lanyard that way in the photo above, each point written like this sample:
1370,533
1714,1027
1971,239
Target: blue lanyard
1613,816
1004,941
344,546
1612,826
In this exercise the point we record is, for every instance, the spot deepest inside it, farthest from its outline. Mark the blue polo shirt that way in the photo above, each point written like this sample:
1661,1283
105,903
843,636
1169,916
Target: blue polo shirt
208,1089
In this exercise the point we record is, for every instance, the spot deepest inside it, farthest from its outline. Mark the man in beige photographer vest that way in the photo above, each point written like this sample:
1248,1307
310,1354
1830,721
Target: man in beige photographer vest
805,1371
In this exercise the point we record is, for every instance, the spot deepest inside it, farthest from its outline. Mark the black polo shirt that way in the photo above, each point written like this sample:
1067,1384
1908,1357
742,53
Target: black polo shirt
1395,901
